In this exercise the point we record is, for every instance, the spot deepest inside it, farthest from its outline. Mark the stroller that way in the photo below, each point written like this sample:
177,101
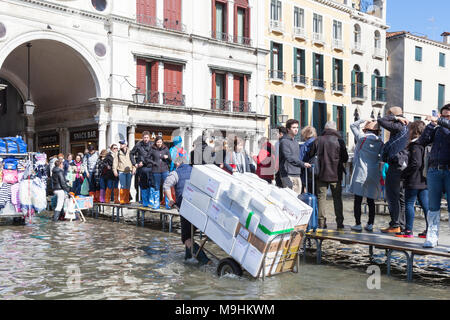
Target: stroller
71,209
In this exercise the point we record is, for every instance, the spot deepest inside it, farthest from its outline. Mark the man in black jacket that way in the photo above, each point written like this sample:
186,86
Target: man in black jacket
332,155
60,188
140,152
290,163
396,124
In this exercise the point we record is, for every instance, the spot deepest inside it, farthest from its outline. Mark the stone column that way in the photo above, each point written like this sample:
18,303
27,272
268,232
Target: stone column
230,89
161,81
102,135
230,21
131,135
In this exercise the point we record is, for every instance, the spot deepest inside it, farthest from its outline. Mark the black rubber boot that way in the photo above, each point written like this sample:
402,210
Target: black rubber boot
56,216
201,257
187,254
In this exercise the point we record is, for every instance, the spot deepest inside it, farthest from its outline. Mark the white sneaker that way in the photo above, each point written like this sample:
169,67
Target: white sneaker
369,227
357,227
429,244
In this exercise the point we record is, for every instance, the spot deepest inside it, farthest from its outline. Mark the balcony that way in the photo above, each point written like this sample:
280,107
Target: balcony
299,33
337,88
317,38
359,93
243,40
174,25
338,45
242,106
357,48
276,26
378,53
379,96
277,76
220,105
299,80
149,20
152,97
174,99
221,36
318,84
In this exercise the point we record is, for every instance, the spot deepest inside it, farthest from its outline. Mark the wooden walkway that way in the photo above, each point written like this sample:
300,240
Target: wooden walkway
409,246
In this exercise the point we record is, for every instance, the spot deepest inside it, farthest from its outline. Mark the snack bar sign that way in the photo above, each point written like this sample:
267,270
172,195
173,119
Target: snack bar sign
84,135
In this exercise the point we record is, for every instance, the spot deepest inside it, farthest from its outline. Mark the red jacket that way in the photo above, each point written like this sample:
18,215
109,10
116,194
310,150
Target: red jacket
265,162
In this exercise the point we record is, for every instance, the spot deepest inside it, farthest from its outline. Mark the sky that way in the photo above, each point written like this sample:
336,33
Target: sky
421,17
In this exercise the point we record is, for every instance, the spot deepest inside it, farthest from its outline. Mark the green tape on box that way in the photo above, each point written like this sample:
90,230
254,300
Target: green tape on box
263,228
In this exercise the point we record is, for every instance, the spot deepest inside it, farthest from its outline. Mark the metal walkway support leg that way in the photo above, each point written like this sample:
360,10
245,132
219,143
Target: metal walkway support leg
319,250
138,214
371,253
409,265
388,261
170,222
142,218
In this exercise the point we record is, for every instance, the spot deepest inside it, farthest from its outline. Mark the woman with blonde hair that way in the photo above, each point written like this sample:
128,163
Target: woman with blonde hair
309,135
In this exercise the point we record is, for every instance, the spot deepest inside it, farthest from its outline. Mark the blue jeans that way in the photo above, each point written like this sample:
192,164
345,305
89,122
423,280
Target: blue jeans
410,199
76,187
108,183
91,181
438,182
159,179
125,180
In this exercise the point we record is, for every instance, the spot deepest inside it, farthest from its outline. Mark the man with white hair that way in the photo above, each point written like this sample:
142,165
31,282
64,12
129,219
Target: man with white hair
332,154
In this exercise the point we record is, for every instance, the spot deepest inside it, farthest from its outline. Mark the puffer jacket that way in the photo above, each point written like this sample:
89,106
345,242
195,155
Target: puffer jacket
156,159
439,136
58,180
90,162
140,152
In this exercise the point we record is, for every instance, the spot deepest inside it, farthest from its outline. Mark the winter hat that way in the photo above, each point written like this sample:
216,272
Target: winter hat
372,126
177,140
396,111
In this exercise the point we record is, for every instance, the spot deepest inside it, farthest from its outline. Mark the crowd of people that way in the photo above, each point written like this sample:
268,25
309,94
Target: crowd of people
412,165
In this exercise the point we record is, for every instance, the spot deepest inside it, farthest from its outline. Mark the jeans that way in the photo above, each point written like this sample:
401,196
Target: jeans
336,191
438,182
107,183
410,199
76,187
145,178
357,210
91,181
159,178
395,197
125,180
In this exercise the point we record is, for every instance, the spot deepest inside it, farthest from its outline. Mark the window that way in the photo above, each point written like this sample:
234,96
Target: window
418,54
318,70
357,82
99,5
338,75
340,118
172,15
301,112
147,79
319,116
357,34
146,12
275,10
275,110
299,62
377,40
240,93
220,21
442,59
173,85
418,90
276,61
378,87
441,96
219,92
337,30
299,18
317,23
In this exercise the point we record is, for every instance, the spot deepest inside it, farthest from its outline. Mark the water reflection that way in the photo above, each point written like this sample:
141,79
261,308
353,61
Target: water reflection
119,261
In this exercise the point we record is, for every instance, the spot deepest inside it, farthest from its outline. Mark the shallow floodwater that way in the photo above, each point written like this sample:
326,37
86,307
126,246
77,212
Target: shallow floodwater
104,260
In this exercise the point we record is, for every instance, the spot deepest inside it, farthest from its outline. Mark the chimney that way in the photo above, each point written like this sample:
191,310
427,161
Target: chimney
446,37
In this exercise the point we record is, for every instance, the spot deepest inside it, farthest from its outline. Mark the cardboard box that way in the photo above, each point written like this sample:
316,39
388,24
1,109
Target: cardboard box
196,197
209,181
296,209
253,261
194,215
223,217
220,236
253,218
239,249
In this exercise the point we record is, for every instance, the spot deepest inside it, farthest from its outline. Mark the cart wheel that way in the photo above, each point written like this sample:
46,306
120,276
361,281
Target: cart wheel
227,266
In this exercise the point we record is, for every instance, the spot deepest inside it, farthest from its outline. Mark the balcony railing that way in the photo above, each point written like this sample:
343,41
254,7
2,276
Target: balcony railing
220,104
241,106
379,95
174,25
222,36
338,88
277,75
277,26
359,92
318,84
152,97
299,80
318,38
174,99
149,20
357,48
299,33
338,44
243,40
378,53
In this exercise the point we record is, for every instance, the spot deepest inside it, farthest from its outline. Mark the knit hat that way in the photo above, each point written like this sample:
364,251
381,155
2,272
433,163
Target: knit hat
177,140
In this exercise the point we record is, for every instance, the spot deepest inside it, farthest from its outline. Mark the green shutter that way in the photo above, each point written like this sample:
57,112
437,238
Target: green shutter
271,55
334,65
314,65
374,86
341,72
279,109
344,122
417,90
321,67
295,61
280,58
272,111
297,111
315,117
303,56
306,113
335,113
353,83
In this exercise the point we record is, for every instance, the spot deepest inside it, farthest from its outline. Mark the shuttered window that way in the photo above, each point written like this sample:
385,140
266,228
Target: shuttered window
441,96
442,59
418,90
418,54
146,12
275,110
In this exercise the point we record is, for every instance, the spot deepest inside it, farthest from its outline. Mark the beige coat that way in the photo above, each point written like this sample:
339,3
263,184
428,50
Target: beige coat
122,162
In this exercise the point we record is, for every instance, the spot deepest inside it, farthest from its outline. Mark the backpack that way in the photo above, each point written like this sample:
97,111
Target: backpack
10,164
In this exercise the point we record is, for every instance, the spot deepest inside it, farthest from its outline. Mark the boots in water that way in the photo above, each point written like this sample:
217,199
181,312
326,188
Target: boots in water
144,197
56,215
155,199
201,257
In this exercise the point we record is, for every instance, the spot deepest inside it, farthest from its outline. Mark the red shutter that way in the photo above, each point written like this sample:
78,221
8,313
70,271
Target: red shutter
213,93
247,23
146,11
213,18
172,14
173,82
235,23
236,87
141,74
154,76
246,88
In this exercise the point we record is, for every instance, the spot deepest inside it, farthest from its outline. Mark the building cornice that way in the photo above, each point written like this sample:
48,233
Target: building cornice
419,39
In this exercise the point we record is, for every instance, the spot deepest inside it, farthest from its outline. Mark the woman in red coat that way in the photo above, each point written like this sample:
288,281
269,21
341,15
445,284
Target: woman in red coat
265,161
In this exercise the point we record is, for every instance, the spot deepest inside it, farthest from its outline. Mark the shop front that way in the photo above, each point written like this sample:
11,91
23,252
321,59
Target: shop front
167,133
81,139
49,143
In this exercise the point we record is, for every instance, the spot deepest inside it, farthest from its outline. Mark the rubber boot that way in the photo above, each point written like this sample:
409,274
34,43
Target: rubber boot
108,195
56,216
92,194
122,196
166,202
433,218
187,254
156,204
202,258
144,197
116,196
127,196
97,196
102,196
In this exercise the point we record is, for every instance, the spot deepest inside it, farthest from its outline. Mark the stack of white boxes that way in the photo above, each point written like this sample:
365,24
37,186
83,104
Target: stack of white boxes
243,214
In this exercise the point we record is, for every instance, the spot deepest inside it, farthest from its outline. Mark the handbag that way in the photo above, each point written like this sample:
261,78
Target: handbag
85,188
10,176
